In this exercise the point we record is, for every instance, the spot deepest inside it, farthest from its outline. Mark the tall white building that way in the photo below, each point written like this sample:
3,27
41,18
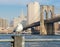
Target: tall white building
33,12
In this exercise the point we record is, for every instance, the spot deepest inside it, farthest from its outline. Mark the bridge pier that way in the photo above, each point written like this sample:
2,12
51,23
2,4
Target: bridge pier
50,29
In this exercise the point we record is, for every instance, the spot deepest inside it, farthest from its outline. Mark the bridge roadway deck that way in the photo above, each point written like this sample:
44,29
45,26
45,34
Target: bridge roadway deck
56,19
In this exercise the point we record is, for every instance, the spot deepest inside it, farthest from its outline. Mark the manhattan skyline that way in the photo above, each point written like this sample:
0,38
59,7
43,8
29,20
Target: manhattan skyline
12,8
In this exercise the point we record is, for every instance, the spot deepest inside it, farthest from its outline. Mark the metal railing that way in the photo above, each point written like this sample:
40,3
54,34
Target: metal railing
29,40
6,40
41,40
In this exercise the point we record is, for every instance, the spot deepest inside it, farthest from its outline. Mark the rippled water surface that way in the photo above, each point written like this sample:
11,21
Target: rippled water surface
32,44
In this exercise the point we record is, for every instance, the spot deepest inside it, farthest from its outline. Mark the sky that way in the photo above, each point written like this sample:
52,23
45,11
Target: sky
12,8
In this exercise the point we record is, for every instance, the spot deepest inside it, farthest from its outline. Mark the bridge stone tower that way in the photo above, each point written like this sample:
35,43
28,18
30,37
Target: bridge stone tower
46,28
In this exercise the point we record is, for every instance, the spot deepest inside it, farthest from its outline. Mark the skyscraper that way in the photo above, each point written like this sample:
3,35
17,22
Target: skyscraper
33,12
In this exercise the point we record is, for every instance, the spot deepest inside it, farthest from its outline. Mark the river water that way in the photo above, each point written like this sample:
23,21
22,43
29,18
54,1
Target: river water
32,44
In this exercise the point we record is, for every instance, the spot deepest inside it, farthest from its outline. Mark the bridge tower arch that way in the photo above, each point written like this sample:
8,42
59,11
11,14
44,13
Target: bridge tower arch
44,27
51,9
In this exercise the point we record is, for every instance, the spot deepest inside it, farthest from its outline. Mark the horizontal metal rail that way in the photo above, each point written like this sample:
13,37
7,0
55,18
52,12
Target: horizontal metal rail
36,40
6,40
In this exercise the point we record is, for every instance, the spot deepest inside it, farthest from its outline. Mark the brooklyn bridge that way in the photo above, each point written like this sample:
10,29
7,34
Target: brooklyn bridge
46,25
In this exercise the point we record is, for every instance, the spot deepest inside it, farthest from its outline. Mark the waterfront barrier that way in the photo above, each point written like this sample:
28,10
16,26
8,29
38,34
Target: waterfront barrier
22,41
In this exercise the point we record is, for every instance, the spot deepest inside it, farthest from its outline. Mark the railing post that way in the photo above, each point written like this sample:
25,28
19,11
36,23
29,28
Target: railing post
18,41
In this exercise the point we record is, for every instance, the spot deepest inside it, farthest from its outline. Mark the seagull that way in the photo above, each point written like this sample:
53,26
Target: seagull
19,27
